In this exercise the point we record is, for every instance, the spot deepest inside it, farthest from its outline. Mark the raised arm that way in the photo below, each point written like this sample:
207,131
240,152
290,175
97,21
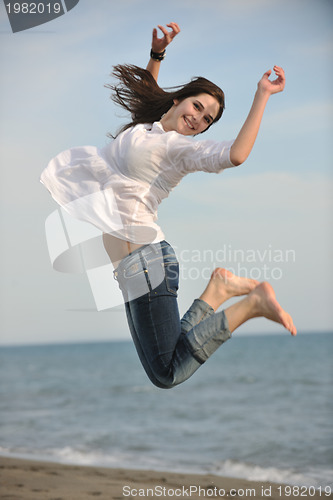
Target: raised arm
245,140
158,47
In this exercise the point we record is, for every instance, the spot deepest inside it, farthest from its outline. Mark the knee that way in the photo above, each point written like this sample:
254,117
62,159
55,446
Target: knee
162,381
162,385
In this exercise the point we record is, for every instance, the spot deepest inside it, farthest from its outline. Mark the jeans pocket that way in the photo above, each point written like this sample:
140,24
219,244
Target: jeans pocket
133,281
134,270
171,270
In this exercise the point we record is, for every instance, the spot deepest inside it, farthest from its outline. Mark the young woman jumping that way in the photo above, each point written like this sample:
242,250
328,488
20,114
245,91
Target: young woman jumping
119,188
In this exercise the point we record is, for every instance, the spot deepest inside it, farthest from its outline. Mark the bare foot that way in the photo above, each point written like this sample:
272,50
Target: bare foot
223,285
265,304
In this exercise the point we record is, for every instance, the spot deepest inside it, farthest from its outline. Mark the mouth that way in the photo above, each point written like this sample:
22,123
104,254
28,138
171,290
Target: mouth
188,123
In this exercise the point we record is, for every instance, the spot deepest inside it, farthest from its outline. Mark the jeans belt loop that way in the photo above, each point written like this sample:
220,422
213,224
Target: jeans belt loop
155,249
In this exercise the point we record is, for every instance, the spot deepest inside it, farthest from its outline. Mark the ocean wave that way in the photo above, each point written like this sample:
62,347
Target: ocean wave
228,468
313,477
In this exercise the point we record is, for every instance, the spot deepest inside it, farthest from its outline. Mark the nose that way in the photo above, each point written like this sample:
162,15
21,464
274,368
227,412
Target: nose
199,120
198,115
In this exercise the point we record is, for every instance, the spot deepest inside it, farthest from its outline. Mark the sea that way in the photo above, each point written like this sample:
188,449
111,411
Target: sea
260,408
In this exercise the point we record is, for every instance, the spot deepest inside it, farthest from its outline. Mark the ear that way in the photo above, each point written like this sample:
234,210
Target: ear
176,102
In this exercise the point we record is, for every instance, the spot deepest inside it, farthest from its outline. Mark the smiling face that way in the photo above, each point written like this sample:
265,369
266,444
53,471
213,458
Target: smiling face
192,115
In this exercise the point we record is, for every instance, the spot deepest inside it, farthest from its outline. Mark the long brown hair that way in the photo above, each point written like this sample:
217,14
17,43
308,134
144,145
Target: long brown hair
139,93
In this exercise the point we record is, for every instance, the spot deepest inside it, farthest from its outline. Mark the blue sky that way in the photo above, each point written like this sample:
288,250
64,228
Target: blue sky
280,200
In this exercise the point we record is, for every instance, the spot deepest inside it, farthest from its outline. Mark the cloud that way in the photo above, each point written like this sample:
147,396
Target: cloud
312,116
298,193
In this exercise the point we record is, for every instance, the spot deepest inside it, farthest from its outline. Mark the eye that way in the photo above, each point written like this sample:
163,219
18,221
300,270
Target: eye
207,119
196,105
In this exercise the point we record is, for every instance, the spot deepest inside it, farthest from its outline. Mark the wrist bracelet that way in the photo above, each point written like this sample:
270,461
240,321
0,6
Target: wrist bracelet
157,56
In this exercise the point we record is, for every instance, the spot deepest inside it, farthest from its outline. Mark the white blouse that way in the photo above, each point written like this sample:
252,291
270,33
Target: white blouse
118,188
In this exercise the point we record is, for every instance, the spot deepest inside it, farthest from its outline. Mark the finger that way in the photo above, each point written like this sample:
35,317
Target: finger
279,71
175,25
281,79
175,28
164,30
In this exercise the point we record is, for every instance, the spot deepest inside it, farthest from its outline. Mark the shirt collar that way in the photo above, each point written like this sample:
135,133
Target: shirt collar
157,127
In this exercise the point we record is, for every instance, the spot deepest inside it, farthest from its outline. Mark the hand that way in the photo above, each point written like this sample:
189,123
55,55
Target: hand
275,86
159,44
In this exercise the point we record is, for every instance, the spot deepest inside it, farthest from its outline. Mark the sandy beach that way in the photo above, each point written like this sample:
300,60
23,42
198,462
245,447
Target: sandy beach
34,480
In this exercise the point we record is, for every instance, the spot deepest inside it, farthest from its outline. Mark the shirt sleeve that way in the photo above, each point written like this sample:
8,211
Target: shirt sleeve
191,155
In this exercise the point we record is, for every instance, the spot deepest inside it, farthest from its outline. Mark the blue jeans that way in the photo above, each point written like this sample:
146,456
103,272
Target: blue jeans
170,349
